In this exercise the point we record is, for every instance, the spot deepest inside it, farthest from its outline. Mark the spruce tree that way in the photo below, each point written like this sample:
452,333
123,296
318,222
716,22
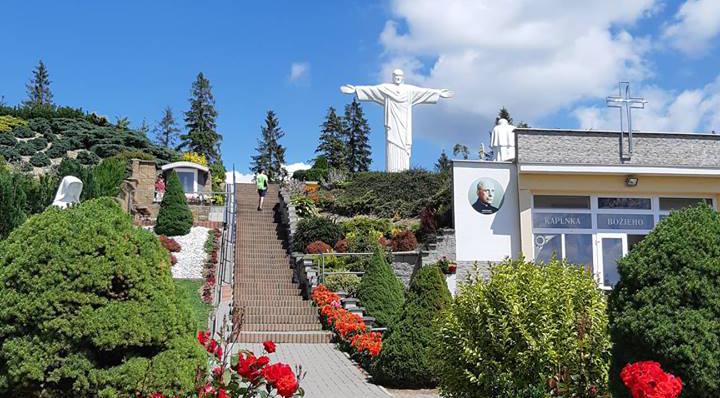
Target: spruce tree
357,131
166,132
271,155
175,217
38,89
201,136
332,144
461,150
443,163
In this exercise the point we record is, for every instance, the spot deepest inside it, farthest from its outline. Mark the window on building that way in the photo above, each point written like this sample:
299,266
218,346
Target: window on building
187,179
547,247
561,202
667,204
625,203
579,249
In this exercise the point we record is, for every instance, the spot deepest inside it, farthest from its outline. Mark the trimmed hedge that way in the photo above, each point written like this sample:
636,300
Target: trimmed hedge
175,217
313,229
528,324
89,309
40,160
666,306
404,360
381,292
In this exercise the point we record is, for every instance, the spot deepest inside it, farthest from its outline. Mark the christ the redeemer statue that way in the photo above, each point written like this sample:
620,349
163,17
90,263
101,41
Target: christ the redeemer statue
398,99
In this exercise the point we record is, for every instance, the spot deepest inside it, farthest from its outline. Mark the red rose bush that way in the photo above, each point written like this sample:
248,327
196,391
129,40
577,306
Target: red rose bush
648,380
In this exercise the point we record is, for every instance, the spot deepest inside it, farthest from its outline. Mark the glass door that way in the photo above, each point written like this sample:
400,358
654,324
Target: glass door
611,247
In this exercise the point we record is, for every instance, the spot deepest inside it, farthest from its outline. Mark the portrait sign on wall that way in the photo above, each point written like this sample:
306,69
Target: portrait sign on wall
486,195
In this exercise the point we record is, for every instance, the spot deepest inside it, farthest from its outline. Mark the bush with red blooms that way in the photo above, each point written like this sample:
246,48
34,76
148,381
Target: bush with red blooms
211,247
318,247
173,259
403,241
648,380
169,243
341,246
251,376
349,328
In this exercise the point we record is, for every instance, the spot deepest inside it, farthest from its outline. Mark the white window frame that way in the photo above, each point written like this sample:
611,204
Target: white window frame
195,178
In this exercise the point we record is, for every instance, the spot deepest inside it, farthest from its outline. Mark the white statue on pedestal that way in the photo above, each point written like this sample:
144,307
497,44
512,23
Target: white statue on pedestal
68,192
502,141
398,99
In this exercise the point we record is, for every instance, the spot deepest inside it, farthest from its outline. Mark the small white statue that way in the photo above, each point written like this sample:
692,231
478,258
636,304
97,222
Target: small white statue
68,192
502,141
398,100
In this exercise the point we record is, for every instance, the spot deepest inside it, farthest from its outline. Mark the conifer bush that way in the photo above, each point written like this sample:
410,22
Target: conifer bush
25,148
528,331
404,360
175,217
88,309
39,160
666,306
7,140
312,229
380,291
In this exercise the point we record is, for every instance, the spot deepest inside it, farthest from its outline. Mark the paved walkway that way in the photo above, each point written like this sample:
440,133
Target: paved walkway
329,373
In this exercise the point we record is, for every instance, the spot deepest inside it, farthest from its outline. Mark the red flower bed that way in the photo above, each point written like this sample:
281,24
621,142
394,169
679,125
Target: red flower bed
169,243
318,247
648,380
369,343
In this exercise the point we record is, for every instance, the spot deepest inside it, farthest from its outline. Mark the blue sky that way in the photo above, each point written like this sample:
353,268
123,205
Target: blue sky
551,64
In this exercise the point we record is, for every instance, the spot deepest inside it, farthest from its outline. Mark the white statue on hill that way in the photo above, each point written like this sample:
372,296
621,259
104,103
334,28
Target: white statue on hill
398,99
502,141
68,192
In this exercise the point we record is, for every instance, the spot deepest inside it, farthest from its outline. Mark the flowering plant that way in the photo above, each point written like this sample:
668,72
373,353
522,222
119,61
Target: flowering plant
648,380
446,266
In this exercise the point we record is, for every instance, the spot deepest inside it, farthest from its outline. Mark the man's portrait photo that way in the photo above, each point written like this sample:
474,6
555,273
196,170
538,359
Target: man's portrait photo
485,195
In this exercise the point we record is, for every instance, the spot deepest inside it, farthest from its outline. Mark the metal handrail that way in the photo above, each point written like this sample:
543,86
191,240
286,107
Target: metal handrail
322,264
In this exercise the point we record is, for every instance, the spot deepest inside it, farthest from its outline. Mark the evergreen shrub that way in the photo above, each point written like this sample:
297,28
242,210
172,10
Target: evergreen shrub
58,149
175,217
107,177
39,159
88,309
25,148
312,229
9,153
666,306
7,140
527,327
39,143
348,283
23,131
380,291
40,125
8,123
404,360
87,158
364,225
12,203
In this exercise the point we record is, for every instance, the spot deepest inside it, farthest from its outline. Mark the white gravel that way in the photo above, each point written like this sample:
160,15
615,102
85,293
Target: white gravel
192,256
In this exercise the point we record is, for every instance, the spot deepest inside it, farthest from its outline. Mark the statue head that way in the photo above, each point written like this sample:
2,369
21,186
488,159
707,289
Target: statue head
502,122
398,76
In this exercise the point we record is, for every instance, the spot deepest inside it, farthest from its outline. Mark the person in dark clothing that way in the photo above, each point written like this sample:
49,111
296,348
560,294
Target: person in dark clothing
483,204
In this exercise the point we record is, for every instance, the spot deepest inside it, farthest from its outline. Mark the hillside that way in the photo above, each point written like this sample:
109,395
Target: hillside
34,143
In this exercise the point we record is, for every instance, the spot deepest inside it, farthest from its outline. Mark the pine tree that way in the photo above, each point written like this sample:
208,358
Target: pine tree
357,131
332,144
443,163
166,132
461,150
271,155
174,217
503,114
38,89
200,122
122,122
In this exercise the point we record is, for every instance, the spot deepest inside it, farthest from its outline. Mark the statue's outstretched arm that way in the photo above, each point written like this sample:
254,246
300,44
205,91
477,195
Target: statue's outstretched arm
445,93
347,89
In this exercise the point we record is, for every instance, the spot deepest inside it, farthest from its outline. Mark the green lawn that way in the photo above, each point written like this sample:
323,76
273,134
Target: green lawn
189,290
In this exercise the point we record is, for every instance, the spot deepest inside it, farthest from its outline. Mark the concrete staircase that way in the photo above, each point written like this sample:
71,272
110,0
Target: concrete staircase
264,293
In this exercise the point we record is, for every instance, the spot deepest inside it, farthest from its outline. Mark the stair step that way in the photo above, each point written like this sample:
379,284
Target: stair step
281,327
267,284
279,319
315,337
277,310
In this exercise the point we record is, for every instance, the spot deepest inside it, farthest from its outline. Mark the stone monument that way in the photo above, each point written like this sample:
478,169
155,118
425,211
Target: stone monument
68,192
502,141
398,99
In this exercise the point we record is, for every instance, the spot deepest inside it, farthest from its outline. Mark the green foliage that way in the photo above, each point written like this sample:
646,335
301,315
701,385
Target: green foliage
332,141
8,123
188,290
364,225
25,149
40,125
357,132
313,229
42,111
304,206
87,158
381,292
9,153
39,143
107,177
348,283
88,308
23,131
166,133
364,242
175,217
40,160
443,163
7,140
200,122
407,348
666,306
384,194
271,155
12,205
38,89
525,326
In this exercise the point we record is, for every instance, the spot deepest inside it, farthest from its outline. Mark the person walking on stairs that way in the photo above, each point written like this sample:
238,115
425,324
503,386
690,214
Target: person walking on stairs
262,186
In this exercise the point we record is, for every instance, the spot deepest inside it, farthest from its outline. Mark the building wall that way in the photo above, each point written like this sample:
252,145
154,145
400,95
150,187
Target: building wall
593,184
603,148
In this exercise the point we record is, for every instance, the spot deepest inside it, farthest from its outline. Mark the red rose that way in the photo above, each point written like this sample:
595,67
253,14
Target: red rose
218,352
287,385
262,361
222,394
275,372
218,372
212,346
269,346
203,337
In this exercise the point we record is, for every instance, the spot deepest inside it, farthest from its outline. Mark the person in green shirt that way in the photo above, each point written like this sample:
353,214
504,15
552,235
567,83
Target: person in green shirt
262,185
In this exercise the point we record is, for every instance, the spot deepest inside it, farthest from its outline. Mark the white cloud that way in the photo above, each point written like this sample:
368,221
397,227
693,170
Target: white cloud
293,167
534,58
299,72
240,178
686,111
695,24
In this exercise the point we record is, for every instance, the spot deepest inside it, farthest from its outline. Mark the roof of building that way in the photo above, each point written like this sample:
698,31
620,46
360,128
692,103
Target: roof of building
183,164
